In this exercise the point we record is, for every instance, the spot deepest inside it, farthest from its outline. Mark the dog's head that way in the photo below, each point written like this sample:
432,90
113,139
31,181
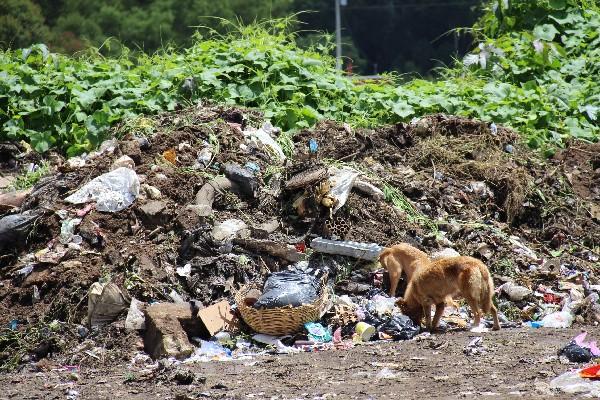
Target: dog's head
411,309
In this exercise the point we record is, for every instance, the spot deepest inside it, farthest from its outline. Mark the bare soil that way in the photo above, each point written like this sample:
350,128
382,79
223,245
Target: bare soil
518,363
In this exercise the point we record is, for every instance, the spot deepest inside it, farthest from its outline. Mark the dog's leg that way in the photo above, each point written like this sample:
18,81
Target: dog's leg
427,312
394,279
439,310
494,313
475,310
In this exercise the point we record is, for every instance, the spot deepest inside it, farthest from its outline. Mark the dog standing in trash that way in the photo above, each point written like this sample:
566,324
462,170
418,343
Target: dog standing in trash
400,258
433,283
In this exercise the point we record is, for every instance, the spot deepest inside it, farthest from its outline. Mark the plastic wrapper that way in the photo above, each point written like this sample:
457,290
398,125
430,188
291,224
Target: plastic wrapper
113,191
288,288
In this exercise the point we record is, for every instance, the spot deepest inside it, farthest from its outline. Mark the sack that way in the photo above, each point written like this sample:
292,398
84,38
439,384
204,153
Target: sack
288,288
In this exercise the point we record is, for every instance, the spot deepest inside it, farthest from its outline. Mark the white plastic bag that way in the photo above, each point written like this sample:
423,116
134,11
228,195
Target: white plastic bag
275,342
342,181
136,319
263,135
559,319
571,382
67,231
113,191
227,229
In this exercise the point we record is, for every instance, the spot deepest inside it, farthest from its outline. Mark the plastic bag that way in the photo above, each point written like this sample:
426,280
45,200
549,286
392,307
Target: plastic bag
576,353
105,303
342,181
227,229
263,135
559,319
15,228
383,305
246,179
113,191
318,333
571,382
210,351
515,292
67,231
592,346
135,316
288,289
400,327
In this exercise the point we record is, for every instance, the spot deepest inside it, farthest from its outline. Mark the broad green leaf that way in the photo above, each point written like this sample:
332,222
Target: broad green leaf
403,110
557,4
545,32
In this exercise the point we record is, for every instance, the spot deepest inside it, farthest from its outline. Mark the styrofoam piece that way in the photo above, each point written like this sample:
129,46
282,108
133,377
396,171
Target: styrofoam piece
363,251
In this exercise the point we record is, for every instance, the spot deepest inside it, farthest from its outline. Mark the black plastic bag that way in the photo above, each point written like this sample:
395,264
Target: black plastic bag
371,316
400,327
15,228
288,288
576,353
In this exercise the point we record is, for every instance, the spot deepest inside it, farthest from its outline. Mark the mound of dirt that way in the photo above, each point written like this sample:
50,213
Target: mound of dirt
443,182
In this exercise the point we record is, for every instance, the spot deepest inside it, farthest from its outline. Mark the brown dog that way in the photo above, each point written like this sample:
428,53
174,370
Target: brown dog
401,258
435,282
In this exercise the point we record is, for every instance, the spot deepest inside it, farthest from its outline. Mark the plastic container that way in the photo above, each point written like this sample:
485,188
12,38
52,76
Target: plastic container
365,331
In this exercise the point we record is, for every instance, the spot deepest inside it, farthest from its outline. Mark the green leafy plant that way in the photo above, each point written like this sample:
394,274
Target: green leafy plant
30,178
398,199
534,69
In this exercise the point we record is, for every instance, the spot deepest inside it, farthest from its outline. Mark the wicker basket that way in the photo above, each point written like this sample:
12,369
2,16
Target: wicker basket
282,320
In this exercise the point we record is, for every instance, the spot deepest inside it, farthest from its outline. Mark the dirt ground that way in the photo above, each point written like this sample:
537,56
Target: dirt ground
518,363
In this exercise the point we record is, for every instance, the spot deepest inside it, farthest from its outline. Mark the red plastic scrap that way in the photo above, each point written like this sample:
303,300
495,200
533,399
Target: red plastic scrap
552,298
592,372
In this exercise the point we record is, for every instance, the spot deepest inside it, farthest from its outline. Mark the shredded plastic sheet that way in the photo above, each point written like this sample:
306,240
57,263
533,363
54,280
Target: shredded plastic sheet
113,191
263,135
342,180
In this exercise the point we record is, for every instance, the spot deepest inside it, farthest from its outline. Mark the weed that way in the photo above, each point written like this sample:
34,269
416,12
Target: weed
511,312
30,178
16,344
343,272
398,199
504,267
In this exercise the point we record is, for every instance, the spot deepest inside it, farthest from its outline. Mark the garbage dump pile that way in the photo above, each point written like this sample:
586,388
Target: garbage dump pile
202,234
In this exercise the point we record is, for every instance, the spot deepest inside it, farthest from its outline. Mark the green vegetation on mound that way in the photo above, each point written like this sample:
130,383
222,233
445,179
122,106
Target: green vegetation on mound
533,70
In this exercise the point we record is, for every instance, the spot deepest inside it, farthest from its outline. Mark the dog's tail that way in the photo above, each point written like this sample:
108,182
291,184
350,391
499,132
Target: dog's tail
383,257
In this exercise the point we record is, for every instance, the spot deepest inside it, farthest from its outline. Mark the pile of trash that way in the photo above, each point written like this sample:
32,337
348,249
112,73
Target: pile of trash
167,225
